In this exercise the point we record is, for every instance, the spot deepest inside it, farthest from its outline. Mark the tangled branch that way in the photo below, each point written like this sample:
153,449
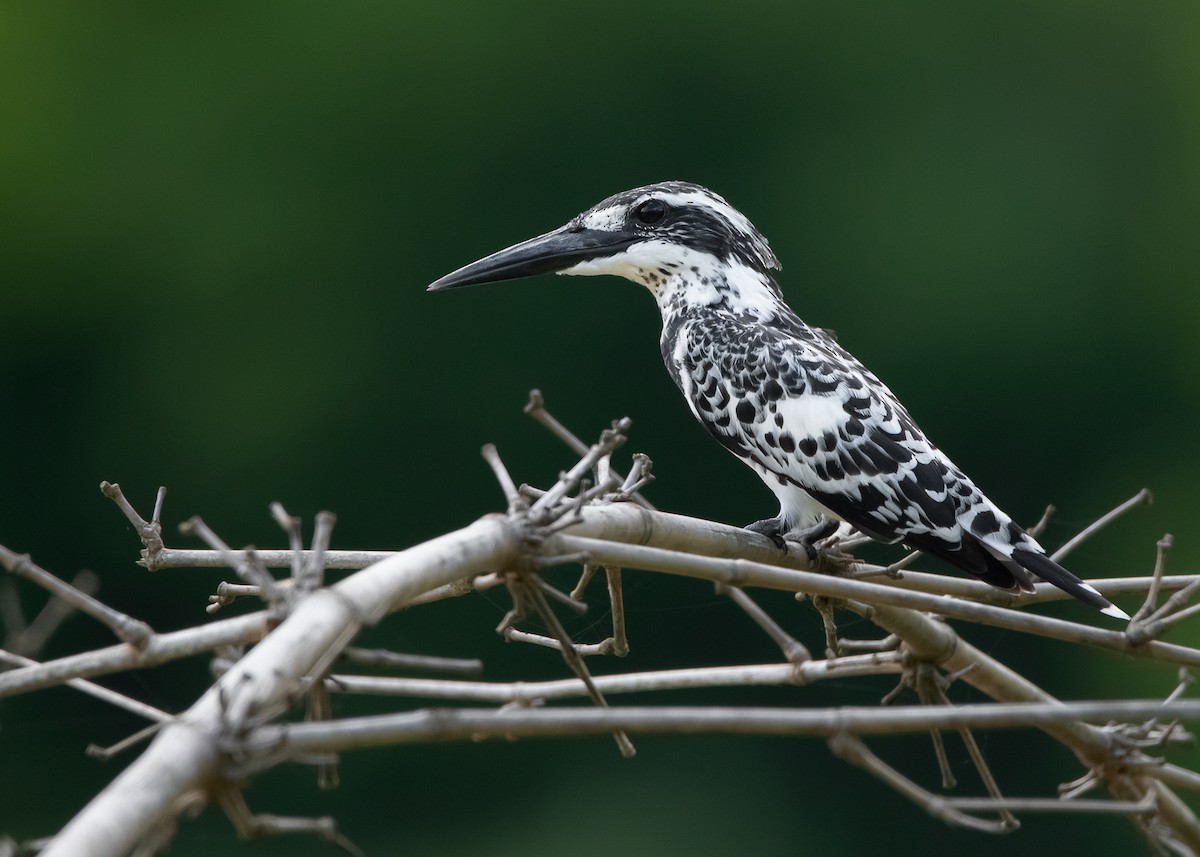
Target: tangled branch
594,516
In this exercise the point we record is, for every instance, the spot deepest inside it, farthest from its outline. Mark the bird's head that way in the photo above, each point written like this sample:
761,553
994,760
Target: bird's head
658,235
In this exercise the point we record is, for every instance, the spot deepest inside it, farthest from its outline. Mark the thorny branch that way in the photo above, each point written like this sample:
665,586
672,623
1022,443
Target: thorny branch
596,517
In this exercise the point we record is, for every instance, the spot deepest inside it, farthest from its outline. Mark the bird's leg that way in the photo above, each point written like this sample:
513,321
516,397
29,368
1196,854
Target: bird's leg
772,528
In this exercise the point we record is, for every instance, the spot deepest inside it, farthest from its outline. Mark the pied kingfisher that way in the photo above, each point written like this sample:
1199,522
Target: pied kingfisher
821,430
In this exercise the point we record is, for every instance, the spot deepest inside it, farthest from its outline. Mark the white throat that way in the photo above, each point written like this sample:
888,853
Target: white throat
681,278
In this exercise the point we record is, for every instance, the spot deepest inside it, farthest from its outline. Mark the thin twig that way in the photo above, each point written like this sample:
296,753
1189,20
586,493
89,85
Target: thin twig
150,532
511,496
205,558
162,648
252,826
740,572
245,562
449,724
110,696
29,639
1036,529
616,601
793,650
313,574
758,675
536,408
585,577
851,749
1050,804
290,524
1141,498
587,650
537,596
133,631
418,663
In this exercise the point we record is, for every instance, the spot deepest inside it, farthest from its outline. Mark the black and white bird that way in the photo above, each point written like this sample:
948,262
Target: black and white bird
821,430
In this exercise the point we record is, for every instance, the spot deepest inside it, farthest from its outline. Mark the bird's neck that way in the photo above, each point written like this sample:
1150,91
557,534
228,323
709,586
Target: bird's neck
719,287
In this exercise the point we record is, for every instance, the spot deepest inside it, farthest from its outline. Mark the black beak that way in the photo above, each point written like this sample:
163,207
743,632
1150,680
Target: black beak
555,251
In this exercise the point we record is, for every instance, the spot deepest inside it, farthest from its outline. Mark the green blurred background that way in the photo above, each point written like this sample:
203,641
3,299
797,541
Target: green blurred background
216,225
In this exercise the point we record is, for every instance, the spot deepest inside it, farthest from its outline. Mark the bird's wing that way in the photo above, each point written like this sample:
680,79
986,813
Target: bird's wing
803,411
807,412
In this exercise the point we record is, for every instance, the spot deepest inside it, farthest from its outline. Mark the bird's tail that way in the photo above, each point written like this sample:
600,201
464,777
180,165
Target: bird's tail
1051,572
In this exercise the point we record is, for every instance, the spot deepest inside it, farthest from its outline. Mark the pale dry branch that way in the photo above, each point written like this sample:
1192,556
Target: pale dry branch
1037,529
28,638
257,825
793,650
91,689
741,572
187,753
312,572
132,631
290,524
417,663
585,650
468,724
198,558
616,602
1141,498
511,495
1115,807
660,680
245,562
161,649
536,408
234,729
852,749
150,532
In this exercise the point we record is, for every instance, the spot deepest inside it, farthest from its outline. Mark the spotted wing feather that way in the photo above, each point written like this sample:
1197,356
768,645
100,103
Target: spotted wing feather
815,423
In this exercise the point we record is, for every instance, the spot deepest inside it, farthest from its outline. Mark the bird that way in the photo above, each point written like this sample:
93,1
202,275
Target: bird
829,439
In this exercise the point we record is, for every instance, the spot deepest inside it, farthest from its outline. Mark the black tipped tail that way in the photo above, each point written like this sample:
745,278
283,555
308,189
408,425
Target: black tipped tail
1051,572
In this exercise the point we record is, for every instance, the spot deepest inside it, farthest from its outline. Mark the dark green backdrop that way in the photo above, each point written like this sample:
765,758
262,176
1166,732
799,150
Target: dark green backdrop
216,225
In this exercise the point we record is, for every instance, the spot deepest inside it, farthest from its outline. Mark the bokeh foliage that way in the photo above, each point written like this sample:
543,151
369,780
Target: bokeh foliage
217,221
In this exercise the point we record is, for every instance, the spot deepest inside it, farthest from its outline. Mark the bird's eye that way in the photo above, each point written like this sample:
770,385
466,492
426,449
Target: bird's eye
650,212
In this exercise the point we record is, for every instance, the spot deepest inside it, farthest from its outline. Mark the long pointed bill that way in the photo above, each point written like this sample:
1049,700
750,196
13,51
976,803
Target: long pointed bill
555,251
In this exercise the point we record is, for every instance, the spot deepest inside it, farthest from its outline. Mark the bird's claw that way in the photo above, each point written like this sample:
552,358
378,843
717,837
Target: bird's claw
772,528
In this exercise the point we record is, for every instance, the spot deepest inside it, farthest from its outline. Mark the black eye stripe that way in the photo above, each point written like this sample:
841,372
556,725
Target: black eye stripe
650,212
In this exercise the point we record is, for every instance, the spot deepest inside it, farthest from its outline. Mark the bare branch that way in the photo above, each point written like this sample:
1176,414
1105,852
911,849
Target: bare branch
536,408
246,562
1141,498
463,724
290,525
312,574
511,495
853,750
29,639
684,679
202,558
616,600
793,650
419,663
132,631
235,729
187,752
150,532
103,693
161,649
738,572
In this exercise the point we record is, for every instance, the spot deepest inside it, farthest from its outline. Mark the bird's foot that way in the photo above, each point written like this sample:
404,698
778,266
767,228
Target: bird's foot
772,528
808,539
